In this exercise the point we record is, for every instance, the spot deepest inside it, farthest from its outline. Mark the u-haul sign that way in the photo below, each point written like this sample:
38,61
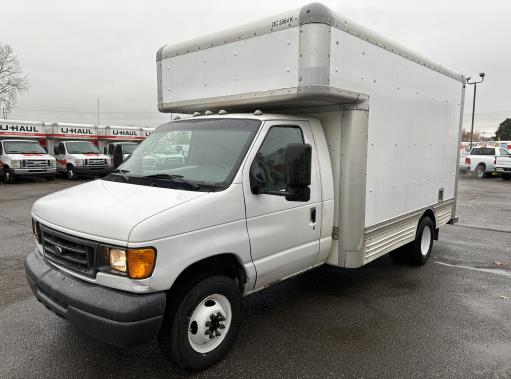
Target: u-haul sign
17,129
122,133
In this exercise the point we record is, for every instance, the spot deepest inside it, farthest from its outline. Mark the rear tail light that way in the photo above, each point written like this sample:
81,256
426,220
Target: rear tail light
467,161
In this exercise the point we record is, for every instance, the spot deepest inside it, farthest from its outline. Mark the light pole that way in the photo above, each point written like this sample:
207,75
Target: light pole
475,83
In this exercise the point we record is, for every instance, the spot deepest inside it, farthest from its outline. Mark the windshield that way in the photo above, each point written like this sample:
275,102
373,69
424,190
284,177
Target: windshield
23,147
128,148
84,147
215,149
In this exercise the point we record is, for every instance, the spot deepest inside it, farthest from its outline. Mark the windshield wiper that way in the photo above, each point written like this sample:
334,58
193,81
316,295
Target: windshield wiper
122,172
174,178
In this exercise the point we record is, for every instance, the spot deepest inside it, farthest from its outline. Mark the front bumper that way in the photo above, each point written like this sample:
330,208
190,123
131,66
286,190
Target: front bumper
93,171
115,317
31,172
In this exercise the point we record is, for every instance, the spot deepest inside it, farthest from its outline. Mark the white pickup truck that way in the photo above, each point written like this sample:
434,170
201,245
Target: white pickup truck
503,165
481,160
298,119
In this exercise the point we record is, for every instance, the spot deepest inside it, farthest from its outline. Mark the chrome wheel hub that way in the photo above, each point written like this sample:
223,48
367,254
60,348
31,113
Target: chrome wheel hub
425,241
209,323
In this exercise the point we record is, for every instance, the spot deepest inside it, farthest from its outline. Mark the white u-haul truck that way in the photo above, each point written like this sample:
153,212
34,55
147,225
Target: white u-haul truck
22,153
75,147
318,142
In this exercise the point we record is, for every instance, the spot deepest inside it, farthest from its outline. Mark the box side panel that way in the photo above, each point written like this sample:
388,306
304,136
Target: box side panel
258,64
413,126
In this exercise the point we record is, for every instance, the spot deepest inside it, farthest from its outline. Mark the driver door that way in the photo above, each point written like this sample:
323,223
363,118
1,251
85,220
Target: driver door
284,235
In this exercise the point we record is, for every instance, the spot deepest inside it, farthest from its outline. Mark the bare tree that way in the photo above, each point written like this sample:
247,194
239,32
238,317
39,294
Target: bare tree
12,80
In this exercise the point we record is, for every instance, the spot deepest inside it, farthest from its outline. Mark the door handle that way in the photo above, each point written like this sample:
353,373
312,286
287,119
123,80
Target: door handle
313,215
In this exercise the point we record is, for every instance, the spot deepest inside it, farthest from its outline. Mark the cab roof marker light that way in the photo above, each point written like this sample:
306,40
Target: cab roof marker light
222,112
258,112
195,114
208,113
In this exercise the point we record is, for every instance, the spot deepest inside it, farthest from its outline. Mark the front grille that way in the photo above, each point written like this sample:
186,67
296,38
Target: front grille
72,252
36,163
95,162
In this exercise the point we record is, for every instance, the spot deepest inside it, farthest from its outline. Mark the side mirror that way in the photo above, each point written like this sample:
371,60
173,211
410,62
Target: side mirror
105,150
298,174
298,171
56,150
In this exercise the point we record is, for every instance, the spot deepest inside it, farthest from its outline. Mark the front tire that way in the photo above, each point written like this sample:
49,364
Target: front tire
202,324
9,176
423,244
71,173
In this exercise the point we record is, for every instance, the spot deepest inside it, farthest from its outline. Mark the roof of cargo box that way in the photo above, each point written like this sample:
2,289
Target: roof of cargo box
314,13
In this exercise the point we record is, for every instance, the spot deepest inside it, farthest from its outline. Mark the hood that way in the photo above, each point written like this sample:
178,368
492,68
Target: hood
90,155
31,156
108,210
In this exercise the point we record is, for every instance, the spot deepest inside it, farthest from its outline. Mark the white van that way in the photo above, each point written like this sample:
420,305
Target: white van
315,141
25,158
81,158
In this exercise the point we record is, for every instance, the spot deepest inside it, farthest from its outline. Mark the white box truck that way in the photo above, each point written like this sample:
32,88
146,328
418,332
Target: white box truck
314,141
22,151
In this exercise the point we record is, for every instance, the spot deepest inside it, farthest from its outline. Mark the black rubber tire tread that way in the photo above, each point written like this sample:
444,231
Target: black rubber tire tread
416,256
74,177
506,177
180,304
477,170
11,179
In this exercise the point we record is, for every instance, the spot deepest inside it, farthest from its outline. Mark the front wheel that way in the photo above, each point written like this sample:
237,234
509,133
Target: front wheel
71,173
203,323
9,176
423,244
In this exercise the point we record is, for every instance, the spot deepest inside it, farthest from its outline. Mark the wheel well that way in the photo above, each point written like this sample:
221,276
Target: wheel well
222,264
429,213
482,164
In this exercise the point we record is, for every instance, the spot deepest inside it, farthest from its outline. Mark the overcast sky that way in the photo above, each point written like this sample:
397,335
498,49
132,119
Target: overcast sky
75,52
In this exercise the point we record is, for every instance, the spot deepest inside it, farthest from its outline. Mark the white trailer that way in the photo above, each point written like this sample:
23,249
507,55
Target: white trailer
344,147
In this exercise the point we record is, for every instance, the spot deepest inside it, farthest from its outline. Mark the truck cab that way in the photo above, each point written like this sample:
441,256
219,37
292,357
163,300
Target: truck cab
80,158
25,158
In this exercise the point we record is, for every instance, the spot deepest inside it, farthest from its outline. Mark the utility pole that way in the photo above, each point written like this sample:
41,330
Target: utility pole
98,113
474,83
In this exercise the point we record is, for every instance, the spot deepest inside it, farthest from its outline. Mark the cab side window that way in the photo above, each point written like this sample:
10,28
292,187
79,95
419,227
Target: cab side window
272,154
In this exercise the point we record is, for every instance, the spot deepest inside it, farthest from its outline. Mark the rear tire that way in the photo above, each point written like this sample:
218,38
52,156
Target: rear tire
423,244
506,177
207,305
480,171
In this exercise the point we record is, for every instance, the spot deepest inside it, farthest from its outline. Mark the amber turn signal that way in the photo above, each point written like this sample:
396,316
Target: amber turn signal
141,262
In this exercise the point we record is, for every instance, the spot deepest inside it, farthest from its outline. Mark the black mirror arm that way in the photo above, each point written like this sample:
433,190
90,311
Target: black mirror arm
268,191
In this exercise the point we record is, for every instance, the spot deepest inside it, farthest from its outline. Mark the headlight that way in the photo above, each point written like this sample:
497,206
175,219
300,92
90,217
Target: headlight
78,162
137,263
53,163
15,164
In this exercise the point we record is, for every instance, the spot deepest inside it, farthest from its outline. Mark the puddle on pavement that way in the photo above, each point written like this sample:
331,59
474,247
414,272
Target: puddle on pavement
497,271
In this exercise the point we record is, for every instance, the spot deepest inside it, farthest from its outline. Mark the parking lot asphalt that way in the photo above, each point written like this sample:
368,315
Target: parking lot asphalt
449,318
